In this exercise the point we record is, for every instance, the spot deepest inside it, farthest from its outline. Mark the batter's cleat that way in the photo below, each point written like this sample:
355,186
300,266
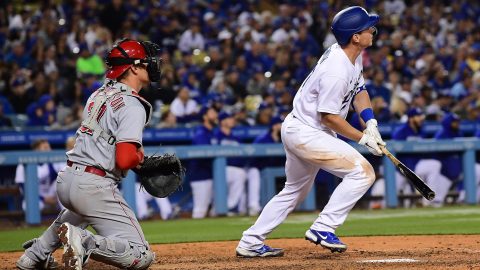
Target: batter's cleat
264,251
25,263
73,251
326,239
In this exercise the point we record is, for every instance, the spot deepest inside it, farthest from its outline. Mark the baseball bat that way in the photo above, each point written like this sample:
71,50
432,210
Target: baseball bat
414,179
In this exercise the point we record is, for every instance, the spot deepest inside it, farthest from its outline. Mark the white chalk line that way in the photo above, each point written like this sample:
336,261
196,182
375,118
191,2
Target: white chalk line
399,260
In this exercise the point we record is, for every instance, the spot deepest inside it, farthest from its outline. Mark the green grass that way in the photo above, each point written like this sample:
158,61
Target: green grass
448,220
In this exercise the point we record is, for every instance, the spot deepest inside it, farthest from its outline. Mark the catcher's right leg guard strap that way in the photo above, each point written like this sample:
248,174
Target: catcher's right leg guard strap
122,254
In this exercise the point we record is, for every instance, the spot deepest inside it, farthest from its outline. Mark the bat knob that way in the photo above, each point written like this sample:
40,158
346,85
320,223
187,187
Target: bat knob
431,196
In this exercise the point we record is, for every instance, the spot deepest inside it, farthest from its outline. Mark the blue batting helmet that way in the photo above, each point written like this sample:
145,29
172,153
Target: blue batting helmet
350,21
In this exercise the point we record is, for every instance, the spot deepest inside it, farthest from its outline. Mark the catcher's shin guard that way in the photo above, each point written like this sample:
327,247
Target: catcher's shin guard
132,257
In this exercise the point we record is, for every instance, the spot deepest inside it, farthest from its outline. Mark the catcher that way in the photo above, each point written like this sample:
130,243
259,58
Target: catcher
108,144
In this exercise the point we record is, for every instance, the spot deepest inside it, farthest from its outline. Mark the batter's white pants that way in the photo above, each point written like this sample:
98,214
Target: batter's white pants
142,198
308,150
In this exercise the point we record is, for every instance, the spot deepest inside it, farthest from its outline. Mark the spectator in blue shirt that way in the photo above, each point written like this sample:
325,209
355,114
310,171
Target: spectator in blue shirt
306,43
36,115
256,57
377,86
7,108
451,162
441,83
4,121
200,170
49,108
461,89
19,96
236,167
18,55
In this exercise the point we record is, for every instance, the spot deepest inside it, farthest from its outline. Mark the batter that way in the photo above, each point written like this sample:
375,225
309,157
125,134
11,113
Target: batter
309,138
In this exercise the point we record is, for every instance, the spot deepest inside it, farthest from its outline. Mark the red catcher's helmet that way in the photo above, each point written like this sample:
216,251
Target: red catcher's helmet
130,52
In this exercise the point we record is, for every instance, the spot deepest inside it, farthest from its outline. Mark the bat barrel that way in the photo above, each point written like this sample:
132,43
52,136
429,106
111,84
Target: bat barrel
430,195
417,182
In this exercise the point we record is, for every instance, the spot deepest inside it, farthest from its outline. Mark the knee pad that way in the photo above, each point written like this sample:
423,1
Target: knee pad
132,257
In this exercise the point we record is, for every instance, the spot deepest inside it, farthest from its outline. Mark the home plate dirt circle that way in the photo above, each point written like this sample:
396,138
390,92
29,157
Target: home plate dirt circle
429,252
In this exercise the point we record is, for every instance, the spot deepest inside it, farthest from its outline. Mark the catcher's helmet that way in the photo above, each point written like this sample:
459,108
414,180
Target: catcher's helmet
130,52
350,21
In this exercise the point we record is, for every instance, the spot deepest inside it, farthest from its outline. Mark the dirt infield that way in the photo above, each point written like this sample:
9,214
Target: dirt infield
384,252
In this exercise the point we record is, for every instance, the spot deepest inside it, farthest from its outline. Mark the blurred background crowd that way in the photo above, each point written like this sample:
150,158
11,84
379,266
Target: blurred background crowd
241,60
246,57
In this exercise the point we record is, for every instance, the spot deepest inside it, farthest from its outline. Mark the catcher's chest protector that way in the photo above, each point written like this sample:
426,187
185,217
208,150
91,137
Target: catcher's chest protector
107,93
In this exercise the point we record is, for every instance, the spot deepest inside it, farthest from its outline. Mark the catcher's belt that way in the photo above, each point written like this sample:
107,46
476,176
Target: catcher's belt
89,169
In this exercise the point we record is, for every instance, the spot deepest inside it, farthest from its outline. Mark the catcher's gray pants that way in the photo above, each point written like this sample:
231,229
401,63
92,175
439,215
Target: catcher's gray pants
96,201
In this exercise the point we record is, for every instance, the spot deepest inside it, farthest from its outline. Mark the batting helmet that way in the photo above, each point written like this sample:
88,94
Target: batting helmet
130,52
351,21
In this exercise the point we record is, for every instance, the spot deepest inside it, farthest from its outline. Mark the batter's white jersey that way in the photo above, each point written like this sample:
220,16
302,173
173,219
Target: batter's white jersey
329,88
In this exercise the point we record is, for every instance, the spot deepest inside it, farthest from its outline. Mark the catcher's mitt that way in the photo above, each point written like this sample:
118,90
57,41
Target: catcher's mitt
161,175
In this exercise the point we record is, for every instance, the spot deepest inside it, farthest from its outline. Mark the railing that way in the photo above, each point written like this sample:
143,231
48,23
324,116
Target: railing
467,146
184,134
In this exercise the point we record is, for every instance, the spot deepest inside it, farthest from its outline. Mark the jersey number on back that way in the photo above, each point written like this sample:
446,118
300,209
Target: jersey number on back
101,112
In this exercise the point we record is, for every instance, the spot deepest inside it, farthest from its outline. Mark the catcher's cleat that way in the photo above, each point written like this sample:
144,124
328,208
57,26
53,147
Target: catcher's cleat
25,263
326,239
73,251
264,251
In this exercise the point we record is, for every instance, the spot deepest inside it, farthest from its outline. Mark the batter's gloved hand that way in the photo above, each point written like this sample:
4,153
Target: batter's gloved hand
371,144
372,129
161,175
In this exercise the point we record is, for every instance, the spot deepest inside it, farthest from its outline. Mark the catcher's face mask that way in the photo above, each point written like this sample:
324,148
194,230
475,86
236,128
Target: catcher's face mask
153,61
130,52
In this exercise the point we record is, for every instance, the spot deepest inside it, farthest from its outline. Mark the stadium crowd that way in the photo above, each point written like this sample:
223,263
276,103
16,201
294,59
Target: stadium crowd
246,57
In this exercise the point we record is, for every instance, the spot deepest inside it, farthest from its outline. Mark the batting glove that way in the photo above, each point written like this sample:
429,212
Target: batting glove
372,129
371,143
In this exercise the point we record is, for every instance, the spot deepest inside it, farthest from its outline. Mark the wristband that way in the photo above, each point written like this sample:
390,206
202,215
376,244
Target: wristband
367,114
